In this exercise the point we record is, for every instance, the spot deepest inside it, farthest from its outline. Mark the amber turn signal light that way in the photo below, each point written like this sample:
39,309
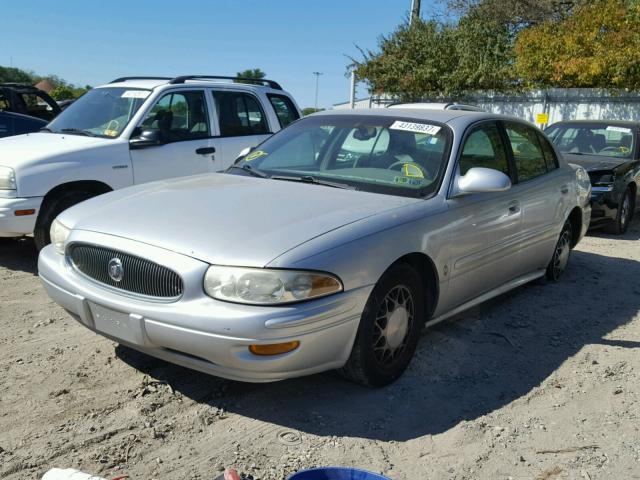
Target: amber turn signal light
274,348
24,213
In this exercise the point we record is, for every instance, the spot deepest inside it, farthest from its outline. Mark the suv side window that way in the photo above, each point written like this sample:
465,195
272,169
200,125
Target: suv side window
483,147
179,116
527,153
549,155
239,114
284,109
4,101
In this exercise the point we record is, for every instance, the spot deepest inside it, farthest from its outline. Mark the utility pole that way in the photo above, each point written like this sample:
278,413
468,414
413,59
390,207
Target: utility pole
352,93
317,74
415,10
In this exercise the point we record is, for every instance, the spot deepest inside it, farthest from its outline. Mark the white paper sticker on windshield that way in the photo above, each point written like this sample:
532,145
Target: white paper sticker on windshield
415,127
613,128
136,94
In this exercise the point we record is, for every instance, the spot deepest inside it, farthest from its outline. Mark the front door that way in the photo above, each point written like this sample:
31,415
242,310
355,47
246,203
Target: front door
484,227
188,148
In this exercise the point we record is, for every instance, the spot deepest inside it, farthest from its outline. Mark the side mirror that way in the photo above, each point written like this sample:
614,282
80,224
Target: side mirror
482,180
243,153
147,138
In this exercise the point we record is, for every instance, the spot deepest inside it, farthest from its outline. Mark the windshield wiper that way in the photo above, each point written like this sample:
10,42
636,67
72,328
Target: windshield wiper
77,131
250,170
45,129
314,180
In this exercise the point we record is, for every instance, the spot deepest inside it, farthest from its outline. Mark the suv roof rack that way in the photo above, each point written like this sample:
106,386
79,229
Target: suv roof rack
262,81
124,79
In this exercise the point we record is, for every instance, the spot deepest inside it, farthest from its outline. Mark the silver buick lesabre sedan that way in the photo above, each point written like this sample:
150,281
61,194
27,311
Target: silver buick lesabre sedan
327,247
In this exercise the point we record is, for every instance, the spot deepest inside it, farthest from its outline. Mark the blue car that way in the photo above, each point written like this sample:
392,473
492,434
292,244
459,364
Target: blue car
17,124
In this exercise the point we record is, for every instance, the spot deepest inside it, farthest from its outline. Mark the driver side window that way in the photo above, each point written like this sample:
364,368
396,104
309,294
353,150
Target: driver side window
179,116
484,148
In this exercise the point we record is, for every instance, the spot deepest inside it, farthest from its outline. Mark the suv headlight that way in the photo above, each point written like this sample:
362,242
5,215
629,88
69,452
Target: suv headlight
59,234
7,179
262,286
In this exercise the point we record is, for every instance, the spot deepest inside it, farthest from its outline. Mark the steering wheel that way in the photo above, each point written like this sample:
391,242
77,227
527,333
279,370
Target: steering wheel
614,149
401,163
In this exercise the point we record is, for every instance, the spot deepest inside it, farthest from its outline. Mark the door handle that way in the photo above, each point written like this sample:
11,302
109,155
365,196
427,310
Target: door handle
514,207
564,189
205,150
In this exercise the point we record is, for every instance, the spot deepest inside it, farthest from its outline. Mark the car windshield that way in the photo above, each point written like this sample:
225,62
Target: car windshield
593,139
380,154
101,112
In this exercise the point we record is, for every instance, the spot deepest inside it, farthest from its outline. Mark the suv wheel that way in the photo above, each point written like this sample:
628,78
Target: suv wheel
51,210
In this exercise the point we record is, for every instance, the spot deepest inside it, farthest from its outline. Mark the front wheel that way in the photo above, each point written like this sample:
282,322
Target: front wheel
623,217
561,254
51,210
389,329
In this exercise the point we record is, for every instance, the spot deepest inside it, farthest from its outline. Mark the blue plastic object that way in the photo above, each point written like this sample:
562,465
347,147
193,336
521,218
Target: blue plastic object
336,473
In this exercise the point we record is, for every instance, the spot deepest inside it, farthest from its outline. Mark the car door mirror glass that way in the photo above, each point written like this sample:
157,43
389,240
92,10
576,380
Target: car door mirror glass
482,180
146,138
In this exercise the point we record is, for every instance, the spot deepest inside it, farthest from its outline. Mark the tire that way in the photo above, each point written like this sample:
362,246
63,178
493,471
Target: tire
51,210
624,215
379,355
561,254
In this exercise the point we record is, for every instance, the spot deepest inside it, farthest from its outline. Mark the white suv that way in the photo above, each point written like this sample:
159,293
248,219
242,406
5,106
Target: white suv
130,131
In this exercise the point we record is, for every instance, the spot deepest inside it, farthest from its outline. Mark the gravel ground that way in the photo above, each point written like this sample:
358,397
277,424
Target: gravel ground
541,383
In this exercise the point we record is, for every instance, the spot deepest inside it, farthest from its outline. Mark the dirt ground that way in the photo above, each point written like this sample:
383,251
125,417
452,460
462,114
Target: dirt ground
541,383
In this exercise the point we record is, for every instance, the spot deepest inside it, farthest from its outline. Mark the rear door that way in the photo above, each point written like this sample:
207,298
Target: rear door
543,191
242,123
484,227
182,117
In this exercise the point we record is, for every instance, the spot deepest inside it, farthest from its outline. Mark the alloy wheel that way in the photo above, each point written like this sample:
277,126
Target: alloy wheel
561,254
393,321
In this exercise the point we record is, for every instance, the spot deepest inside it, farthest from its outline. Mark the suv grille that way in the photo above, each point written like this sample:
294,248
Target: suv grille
139,276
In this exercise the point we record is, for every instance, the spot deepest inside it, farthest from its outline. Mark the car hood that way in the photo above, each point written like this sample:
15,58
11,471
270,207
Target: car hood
227,219
592,163
20,150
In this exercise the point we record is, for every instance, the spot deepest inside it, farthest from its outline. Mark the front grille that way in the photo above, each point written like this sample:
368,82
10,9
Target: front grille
140,276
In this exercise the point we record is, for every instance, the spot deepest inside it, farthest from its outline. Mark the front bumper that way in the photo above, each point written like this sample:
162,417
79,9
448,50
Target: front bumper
204,334
604,207
16,226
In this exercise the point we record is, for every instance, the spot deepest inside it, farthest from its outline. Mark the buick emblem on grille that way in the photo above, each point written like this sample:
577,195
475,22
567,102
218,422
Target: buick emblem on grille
116,272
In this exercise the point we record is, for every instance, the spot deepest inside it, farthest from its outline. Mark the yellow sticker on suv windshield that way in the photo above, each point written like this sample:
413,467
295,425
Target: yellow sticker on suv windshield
254,155
111,133
411,170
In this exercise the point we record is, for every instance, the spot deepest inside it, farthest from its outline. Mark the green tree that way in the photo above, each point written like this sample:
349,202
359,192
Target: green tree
430,58
310,110
62,92
16,75
597,46
252,73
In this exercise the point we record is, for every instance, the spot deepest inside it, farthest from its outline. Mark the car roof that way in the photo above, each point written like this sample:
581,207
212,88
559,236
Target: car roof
619,123
438,106
151,83
461,117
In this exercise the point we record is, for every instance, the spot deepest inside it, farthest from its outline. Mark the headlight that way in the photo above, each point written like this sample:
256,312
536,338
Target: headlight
7,179
260,286
59,234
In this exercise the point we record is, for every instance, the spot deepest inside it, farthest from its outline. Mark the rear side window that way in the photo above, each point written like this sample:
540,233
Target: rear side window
549,155
37,106
239,114
284,108
484,148
527,153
